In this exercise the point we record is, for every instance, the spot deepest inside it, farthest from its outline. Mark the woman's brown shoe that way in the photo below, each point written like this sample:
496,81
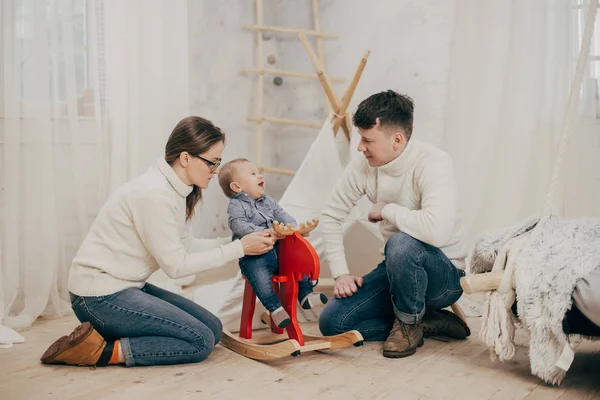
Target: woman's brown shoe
82,347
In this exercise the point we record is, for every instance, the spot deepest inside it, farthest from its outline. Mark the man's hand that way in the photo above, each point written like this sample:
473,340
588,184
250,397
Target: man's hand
346,285
274,234
375,213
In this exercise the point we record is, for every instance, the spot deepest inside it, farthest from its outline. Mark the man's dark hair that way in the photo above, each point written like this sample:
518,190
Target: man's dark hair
394,110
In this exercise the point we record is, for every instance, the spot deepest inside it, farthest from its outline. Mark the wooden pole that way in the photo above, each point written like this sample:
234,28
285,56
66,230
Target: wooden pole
318,66
350,90
329,93
261,27
325,82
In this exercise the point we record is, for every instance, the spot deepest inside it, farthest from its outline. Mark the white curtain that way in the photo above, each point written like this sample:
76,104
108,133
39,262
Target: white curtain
511,66
90,90
147,80
582,187
47,146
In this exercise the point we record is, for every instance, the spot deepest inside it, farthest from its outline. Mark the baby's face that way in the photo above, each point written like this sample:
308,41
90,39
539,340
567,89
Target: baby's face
250,180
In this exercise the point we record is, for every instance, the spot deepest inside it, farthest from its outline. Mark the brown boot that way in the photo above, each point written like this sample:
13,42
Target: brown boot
403,340
444,323
82,347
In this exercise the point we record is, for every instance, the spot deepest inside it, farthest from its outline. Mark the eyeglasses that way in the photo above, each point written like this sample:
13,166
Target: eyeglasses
214,165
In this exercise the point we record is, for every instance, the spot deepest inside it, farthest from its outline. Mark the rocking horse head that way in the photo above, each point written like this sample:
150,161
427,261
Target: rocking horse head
297,257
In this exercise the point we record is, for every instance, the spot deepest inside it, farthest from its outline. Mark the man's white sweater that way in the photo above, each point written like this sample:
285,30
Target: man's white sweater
143,227
421,191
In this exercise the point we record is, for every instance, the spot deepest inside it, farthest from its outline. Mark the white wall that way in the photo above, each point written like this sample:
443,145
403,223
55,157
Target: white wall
409,42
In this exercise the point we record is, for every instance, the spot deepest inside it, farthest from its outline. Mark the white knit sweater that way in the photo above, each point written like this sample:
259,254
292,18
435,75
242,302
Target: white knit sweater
142,227
421,191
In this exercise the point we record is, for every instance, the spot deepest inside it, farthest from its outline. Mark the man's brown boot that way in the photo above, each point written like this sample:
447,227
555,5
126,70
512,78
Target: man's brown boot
403,340
444,323
83,346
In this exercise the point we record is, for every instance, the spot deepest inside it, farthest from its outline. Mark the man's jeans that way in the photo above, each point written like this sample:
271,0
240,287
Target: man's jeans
155,326
413,276
259,271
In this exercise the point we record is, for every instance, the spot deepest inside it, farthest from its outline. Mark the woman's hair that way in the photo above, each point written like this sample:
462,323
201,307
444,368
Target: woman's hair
194,135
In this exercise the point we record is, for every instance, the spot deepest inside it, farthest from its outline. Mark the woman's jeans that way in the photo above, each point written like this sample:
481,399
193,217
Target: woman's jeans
412,277
154,326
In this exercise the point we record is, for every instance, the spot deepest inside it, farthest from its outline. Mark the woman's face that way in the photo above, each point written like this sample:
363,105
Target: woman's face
202,167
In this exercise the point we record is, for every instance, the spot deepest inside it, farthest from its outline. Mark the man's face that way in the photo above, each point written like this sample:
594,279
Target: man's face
379,147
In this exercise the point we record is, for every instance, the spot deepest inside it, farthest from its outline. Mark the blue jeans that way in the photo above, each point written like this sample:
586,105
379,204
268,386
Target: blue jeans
413,276
259,271
155,326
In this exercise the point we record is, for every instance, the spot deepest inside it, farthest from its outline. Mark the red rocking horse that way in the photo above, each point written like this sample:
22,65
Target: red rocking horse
297,259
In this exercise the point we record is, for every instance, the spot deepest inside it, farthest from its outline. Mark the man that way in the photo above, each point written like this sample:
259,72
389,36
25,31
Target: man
413,190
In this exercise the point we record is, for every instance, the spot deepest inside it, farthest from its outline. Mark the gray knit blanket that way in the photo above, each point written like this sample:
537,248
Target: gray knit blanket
557,254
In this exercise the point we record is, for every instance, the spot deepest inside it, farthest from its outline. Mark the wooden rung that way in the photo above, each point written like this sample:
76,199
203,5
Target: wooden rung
481,282
286,121
279,171
260,86
291,30
326,283
290,73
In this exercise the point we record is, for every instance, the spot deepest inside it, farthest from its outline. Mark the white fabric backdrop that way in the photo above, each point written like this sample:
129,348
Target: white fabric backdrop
91,91
512,63
45,145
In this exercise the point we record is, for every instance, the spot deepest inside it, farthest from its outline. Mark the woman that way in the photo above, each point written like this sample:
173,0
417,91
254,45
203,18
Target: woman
146,225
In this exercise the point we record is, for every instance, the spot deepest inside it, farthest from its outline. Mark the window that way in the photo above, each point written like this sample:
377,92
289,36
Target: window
591,93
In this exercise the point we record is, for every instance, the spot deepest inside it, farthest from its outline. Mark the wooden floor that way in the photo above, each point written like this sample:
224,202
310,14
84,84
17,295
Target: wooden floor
439,370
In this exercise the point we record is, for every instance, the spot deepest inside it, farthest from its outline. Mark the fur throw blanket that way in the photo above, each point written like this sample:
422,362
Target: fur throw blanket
554,257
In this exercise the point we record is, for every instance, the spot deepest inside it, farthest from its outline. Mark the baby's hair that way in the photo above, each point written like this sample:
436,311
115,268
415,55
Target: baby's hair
226,173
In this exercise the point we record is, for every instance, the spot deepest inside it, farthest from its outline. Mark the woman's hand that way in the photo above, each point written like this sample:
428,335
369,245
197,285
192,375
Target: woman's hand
274,234
257,243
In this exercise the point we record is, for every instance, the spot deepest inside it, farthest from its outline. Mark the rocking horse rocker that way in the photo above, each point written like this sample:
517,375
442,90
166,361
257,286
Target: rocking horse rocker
297,259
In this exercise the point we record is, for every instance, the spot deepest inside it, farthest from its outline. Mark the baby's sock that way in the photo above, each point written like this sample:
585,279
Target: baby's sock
280,317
